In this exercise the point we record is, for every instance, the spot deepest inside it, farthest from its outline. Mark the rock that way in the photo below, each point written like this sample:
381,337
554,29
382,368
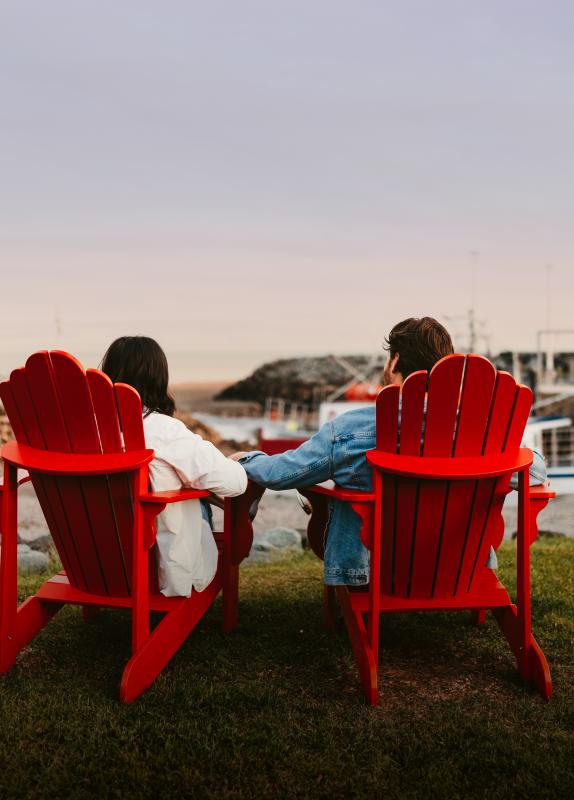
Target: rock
284,538
31,561
43,544
261,546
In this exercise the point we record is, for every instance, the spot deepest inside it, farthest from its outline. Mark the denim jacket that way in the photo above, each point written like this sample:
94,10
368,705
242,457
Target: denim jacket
337,452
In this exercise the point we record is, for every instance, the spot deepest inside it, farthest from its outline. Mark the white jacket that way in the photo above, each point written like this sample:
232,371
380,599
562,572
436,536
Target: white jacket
187,553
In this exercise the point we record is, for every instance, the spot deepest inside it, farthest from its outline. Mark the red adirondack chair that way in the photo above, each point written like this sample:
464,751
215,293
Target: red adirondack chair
81,439
446,447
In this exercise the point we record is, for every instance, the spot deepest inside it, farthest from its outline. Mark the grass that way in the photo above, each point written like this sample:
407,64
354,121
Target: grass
275,709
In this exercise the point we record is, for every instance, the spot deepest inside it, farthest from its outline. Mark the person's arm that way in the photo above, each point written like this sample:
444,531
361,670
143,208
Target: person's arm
538,472
310,463
200,465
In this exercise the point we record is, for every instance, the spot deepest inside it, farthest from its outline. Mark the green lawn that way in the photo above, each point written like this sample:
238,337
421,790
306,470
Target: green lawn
275,709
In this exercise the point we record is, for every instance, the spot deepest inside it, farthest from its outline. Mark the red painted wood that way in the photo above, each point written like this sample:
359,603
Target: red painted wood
445,381
413,398
437,515
475,404
520,416
47,489
406,513
104,405
67,464
501,413
41,384
130,414
63,419
452,469
387,409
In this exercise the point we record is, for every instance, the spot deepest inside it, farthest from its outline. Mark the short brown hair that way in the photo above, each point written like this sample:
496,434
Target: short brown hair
420,343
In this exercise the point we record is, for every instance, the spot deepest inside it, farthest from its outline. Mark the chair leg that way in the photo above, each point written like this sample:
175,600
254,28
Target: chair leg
530,659
165,640
31,617
230,597
479,616
329,607
365,658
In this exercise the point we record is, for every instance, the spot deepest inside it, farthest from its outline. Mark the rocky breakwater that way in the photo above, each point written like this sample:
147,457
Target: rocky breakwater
301,380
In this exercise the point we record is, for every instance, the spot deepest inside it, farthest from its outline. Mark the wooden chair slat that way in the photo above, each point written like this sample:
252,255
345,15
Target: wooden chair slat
455,525
406,518
442,404
521,412
433,498
475,403
104,404
47,490
76,403
476,533
26,409
387,408
41,385
130,413
500,414
492,537
412,413
388,532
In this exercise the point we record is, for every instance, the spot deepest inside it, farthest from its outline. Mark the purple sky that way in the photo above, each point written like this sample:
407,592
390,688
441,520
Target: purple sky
245,180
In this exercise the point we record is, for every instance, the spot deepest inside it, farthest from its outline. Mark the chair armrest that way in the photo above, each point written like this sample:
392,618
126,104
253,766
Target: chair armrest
238,515
542,492
337,493
174,496
451,469
50,463
539,498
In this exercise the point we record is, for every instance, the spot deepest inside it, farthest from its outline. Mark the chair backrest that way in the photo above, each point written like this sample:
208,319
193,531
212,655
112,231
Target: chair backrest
436,534
54,404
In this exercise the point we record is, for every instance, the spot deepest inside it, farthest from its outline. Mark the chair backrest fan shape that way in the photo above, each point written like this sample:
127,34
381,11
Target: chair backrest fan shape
54,404
436,534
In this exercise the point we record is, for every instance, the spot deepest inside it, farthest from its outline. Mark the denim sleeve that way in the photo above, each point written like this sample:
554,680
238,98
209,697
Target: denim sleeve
538,473
310,463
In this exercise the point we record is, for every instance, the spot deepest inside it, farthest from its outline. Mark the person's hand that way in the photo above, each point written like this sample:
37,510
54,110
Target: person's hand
238,456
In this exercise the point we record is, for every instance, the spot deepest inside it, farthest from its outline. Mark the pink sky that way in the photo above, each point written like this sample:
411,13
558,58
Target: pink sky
256,180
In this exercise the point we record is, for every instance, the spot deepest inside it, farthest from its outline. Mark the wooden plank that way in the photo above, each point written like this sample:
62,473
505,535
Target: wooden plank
101,495
46,489
387,410
442,404
104,405
475,403
130,414
66,418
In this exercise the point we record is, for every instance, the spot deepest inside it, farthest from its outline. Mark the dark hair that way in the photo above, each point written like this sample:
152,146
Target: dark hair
140,362
420,343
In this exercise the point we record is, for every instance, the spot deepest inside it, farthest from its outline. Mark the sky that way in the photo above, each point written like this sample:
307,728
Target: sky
247,180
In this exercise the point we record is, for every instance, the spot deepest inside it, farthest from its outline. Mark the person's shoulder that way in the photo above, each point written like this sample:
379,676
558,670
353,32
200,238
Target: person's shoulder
358,422
161,426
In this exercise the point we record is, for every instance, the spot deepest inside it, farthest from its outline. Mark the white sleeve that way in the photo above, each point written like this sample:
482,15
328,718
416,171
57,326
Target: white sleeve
200,465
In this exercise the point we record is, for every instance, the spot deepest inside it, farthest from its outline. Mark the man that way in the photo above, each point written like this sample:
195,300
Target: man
337,451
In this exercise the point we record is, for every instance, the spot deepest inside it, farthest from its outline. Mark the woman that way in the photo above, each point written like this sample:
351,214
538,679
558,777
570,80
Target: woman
187,552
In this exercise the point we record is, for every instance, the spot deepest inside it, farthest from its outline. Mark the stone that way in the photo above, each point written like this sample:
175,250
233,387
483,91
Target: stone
31,561
284,538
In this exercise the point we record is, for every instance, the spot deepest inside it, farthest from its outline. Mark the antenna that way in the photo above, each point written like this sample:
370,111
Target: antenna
472,311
